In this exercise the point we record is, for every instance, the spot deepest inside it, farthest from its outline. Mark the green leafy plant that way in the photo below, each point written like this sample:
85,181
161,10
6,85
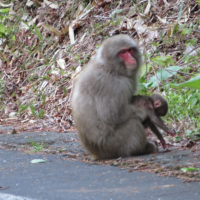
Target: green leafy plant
2,86
178,138
192,134
43,99
193,83
64,90
3,15
37,146
23,107
161,75
32,107
61,150
41,113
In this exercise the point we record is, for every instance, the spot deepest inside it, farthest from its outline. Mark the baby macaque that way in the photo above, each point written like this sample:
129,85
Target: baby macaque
155,106
160,104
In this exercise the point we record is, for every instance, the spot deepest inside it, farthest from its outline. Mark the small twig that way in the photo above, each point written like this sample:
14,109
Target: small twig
188,53
99,16
62,127
4,188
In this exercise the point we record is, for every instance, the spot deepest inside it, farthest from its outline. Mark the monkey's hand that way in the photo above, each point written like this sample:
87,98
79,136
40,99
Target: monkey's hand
163,144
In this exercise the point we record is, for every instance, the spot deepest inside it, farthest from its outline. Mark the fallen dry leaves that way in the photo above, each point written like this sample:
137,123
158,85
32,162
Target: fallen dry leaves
54,40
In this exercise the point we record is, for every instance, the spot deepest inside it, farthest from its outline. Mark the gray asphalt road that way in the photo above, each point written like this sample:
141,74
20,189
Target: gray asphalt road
58,179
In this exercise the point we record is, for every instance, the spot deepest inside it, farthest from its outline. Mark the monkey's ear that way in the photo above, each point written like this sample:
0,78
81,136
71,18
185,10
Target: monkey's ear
157,103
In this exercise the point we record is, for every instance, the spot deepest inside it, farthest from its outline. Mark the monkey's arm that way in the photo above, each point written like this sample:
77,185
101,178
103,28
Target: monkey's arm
158,121
157,133
113,103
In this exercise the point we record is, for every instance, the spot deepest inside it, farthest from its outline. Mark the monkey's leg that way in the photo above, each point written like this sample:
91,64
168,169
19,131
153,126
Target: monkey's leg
136,142
151,147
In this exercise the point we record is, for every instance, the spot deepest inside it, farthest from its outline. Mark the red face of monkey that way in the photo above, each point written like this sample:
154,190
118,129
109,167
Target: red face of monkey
128,56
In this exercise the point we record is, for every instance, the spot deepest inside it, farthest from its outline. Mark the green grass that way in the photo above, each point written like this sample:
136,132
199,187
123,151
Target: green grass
38,146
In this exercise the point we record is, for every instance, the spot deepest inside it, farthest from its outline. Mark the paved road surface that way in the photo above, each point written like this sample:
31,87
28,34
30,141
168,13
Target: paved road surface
58,179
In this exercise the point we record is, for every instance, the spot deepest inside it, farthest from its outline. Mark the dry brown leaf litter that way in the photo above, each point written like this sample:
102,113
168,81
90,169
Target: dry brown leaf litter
44,58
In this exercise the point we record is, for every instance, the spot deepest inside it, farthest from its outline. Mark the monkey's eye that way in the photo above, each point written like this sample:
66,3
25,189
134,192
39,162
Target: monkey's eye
122,51
131,51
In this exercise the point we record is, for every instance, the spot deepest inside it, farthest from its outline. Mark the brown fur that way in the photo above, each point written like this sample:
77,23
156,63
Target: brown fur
108,125
160,104
153,117
155,106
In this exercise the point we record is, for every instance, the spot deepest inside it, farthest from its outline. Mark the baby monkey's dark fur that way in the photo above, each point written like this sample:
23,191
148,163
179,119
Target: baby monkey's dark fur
155,106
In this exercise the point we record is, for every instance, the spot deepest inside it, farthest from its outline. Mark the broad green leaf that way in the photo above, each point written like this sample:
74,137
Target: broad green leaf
185,169
162,74
187,31
164,60
160,62
193,83
2,28
152,82
180,12
37,161
176,27
145,69
194,100
4,10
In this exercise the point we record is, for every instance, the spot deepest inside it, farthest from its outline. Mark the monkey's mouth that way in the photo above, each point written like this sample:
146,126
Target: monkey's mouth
130,60
131,66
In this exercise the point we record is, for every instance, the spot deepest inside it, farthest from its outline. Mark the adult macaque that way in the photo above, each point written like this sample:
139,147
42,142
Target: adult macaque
109,126
155,106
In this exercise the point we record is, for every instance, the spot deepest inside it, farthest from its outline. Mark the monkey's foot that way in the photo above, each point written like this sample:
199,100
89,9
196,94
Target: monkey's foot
163,144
